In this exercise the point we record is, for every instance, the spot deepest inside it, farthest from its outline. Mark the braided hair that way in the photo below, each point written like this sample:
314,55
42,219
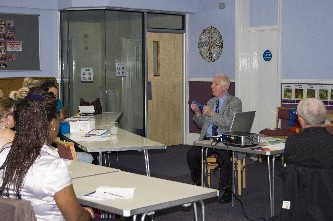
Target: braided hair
32,116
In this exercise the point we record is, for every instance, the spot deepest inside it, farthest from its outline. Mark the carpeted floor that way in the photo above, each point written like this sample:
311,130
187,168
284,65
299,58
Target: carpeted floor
171,164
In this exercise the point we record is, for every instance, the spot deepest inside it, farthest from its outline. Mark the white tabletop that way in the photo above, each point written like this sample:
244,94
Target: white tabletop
274,149
123,141
78,169
150,193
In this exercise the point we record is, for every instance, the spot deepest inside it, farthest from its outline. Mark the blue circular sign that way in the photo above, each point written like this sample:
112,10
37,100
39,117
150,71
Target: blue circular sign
267,55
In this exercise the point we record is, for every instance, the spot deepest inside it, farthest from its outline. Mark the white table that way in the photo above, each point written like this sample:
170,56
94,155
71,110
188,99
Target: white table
271,154
150,194
123,141
79,170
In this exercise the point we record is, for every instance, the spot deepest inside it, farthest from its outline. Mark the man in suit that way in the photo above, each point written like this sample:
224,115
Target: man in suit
214,119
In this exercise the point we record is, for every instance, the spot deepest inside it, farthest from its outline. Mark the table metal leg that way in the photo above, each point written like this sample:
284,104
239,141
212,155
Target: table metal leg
202,210
147,162
143,216
134,218
195,210
233,180
204,171
271,182
202,165
100,158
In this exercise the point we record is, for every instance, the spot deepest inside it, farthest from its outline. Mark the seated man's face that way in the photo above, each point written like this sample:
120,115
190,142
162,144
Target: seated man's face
218,88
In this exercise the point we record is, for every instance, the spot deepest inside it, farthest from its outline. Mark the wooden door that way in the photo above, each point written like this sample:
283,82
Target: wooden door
165,73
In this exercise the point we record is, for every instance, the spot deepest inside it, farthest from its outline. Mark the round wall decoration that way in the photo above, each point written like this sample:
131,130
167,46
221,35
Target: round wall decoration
210,44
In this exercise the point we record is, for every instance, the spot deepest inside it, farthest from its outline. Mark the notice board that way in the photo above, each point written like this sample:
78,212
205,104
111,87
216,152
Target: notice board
293,93
19,42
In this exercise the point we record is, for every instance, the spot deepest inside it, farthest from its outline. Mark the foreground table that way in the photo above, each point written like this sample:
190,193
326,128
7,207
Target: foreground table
150,194
79,170
271,154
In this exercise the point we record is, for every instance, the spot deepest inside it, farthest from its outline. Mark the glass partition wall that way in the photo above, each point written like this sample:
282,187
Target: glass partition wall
102,57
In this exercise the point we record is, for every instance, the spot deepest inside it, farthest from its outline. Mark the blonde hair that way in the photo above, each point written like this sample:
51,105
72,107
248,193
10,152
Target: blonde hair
30,82
21,93
6,106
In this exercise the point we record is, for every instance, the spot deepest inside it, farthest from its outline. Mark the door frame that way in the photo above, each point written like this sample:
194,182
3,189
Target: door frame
242,75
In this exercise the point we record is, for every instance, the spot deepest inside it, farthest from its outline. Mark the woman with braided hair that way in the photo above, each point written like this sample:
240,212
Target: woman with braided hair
32,170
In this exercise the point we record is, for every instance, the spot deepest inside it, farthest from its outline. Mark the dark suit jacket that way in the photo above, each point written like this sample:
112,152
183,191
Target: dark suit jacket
307,179
313,147
223,120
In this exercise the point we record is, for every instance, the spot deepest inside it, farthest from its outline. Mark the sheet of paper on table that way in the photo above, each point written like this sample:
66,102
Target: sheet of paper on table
81,137
272,143
105,193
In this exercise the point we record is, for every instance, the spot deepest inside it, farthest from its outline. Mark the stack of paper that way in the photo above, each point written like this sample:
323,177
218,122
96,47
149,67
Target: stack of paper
105,193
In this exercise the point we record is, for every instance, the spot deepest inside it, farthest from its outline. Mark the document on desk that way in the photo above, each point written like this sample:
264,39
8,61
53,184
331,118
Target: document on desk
272,143
87,138
105,193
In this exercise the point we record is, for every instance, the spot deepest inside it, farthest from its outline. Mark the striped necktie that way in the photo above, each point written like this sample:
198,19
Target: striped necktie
217,110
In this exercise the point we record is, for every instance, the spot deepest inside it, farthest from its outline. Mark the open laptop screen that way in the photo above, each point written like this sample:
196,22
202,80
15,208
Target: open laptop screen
242,122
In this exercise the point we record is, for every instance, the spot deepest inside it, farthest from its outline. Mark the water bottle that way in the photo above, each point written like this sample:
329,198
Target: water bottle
92,123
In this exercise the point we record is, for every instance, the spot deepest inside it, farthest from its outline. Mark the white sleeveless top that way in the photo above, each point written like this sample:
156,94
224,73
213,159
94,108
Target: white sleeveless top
48,175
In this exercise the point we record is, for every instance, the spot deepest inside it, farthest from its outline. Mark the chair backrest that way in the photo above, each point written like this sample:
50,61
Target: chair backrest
16,210
282,117
309,192
66,150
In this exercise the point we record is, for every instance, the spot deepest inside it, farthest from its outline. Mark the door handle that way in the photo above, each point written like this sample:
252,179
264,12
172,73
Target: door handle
149,91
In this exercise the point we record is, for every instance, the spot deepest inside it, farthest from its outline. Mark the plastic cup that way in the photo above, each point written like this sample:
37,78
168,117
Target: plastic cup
114,128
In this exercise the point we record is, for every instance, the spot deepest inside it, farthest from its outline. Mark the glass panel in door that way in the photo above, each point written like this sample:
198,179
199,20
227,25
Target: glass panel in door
98,42
124,69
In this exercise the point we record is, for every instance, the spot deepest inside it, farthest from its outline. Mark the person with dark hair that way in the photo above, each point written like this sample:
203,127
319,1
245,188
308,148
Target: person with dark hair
32,170
51,85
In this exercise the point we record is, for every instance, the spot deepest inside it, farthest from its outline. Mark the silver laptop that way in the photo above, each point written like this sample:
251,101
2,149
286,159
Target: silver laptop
242,122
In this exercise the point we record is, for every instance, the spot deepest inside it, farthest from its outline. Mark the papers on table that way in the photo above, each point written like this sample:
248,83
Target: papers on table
96,132
269,143
105,193
82,137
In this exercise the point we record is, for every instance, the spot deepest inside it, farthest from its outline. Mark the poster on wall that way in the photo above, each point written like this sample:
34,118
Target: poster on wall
294,93
287,93
330,102
19,42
